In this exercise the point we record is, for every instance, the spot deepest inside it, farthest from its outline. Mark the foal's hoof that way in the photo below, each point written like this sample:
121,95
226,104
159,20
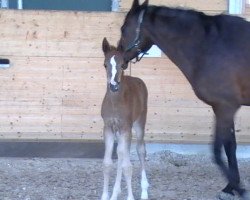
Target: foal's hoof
144,196
105,196
225,196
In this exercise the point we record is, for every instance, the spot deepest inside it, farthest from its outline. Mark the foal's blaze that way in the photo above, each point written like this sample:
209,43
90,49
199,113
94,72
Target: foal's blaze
124,106
114,86
213,52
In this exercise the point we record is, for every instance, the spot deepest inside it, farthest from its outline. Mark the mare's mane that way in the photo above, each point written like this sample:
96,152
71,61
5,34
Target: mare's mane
190,17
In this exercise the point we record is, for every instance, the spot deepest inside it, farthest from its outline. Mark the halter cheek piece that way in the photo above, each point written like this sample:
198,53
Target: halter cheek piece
137,40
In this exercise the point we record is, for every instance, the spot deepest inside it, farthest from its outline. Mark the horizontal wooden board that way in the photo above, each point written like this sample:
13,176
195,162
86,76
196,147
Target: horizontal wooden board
66,34
247,11
67,108
212,5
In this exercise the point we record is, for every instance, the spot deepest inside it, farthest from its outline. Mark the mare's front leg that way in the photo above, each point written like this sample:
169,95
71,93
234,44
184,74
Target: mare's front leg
225,136
107,161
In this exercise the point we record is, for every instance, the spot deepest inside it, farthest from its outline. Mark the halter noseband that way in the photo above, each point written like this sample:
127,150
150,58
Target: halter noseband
137,41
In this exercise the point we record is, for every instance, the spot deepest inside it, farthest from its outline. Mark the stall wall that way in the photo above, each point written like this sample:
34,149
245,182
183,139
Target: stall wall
55,85
212,6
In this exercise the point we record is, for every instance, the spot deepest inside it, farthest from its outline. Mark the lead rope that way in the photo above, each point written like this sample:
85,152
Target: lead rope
113,109
130,68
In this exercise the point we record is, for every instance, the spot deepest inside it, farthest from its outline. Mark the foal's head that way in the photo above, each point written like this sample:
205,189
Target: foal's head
134,40
114,64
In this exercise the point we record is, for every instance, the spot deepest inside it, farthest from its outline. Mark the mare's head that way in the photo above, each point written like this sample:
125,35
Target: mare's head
134,40
114,65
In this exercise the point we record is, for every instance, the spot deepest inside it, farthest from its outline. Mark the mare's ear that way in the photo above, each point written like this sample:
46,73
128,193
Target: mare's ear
119,47
105,46
145,3
135,5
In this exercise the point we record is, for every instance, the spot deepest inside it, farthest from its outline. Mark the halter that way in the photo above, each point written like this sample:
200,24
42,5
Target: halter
137,41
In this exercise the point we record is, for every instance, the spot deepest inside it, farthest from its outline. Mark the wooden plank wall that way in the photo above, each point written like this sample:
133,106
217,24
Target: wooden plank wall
56,82
211,6
247,10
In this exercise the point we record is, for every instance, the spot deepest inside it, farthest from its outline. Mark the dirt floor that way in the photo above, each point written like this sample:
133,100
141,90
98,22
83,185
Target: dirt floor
171,176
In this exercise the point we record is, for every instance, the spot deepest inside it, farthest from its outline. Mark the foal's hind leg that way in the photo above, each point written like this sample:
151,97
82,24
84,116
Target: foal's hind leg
107,161
139,127
225,136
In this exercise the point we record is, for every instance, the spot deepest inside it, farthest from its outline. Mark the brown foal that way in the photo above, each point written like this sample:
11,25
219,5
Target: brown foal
124,107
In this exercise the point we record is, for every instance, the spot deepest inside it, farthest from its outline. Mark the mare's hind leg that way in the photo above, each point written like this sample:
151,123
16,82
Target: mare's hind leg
230,149
225,136
107,161
139,127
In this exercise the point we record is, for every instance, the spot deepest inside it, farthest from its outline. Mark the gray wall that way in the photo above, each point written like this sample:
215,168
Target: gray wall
78,5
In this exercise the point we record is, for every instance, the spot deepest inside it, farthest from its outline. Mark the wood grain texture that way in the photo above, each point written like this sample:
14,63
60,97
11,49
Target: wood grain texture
211,6
55,85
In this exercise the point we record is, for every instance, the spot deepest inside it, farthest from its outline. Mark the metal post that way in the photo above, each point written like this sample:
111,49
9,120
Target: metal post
237,7
115,5
20,4
5,4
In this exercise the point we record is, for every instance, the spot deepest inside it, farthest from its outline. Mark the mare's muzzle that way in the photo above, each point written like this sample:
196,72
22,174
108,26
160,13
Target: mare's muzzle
114,88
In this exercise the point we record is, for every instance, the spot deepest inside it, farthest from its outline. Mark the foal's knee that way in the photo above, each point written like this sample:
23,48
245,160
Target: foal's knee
127,167
107,164
140,147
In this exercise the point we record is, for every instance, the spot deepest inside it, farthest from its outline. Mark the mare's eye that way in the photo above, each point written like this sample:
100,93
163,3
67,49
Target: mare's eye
123,30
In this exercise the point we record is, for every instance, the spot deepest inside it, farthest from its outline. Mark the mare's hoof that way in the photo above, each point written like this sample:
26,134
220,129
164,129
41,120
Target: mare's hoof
225,196
246,196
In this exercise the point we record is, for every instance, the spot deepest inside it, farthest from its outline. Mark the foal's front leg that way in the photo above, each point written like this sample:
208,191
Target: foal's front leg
117,186
107,161
123,151
139,127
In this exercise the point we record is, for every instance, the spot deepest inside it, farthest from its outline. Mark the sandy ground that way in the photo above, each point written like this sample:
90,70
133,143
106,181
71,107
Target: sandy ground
171,176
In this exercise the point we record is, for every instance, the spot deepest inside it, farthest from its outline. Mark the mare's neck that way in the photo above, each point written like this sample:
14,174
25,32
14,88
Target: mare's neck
177,35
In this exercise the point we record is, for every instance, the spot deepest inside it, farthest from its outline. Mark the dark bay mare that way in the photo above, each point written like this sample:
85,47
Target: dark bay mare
213,52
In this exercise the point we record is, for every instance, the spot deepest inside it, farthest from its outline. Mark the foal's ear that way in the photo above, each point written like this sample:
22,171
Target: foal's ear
105,46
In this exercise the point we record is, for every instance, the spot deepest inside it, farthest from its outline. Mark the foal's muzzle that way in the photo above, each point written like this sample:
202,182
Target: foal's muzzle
114,88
